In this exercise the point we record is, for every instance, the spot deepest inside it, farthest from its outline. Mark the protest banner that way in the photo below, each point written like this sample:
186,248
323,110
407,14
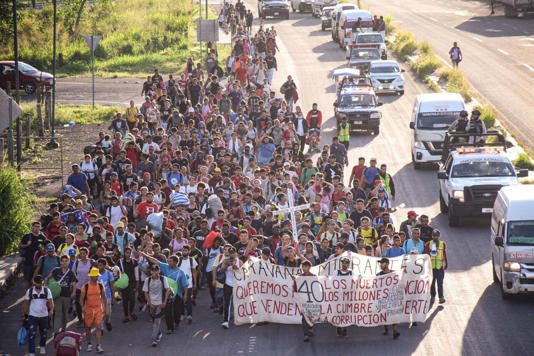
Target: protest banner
265,292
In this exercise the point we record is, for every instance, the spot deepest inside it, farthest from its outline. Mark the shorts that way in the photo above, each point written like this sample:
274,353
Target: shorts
93,317
28,272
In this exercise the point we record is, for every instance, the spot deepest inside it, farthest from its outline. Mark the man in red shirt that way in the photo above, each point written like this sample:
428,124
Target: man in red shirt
145,208
357,171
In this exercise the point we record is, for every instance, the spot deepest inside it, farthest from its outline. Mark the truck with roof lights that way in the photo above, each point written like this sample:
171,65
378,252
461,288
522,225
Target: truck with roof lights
471,174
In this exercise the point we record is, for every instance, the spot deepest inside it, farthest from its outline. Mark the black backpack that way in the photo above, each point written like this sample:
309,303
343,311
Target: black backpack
38,296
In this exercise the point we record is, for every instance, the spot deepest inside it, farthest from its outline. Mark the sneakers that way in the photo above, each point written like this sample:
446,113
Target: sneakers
89,347
99,349
441,300
133,316
169,331
160,335
306,338
42,350
154,343
396,335
125,319
189,319
225,325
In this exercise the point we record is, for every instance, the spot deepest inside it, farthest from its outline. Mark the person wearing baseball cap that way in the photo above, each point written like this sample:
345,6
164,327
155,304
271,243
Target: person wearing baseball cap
306,328
408,224
46,263
38,308
437,250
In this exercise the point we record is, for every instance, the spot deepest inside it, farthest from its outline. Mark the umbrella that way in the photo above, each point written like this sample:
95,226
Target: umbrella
346,72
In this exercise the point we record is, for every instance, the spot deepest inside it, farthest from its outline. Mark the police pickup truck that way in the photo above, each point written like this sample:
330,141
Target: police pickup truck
359,104
471,174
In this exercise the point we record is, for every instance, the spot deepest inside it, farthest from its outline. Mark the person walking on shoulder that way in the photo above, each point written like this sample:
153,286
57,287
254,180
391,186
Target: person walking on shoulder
456,55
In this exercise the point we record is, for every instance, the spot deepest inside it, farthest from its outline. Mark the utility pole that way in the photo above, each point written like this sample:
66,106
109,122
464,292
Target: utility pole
93,67
200,26
16,51
53,144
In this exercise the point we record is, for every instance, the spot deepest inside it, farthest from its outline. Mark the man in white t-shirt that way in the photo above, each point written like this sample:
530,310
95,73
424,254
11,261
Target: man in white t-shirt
189,266
229,264
38,307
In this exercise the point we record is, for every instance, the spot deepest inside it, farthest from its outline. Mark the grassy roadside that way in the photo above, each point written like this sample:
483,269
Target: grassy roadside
79,114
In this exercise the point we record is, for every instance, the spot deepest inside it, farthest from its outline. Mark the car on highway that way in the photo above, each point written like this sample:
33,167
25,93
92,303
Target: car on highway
432,114
361,56
387,77
348,23
512,240
326,17
273,8
374,38
471,175
338,9
361,107
319,5
29,77
301,5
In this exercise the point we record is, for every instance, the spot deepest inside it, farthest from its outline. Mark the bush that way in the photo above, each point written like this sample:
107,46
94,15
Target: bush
456,83
16,205
425,65
390,27
404,45
523,161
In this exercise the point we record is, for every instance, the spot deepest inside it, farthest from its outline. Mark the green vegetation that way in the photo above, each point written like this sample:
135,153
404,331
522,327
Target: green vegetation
16,205
138,35
456,83
80,114
523,161
390,27
404,45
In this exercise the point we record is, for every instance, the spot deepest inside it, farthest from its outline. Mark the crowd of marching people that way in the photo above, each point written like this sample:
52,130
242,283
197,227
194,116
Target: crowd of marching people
184,188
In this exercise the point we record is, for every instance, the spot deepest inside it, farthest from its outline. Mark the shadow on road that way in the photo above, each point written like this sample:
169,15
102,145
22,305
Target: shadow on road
486,26
503,336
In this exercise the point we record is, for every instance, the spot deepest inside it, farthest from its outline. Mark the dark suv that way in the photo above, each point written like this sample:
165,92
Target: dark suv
29,77
274,8
360,106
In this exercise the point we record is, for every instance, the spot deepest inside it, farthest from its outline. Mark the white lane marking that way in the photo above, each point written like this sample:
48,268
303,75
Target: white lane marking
477,39
528,45
493,30
503,52
528,67
432,19
527,39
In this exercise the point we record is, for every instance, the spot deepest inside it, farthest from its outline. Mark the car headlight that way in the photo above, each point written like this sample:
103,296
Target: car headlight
418,144
375,115
399,80
458,194
511,266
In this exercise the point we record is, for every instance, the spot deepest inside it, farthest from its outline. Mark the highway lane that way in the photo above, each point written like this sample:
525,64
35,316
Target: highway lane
474,321
498,52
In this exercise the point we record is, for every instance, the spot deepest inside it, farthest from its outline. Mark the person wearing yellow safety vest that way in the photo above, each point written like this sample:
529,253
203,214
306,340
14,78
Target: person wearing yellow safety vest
343,132
386,181
437,250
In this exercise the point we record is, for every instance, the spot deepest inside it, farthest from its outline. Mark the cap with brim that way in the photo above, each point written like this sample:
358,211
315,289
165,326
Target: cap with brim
345,259
50,247
119,225
94,272
412,213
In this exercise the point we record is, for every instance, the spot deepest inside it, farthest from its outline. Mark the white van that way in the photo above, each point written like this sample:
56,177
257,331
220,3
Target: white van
512,238
335,17
432,115
347,22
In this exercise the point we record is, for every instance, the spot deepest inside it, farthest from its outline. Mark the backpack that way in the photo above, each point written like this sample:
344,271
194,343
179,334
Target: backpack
85,290
41,264
38,296
68,343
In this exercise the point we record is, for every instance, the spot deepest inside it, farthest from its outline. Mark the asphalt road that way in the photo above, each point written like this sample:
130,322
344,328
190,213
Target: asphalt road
498,51
474,320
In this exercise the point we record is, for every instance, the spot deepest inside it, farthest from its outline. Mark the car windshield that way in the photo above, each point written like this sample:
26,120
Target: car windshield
384,69
26,68
364,54
370,39
436,121
521,233
327,13
357,100
483,168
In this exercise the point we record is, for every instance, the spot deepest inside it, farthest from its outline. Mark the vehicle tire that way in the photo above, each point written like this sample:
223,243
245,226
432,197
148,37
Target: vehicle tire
442,206
400,92
509,11
454,220
504,295
287,16
301,8
29,88
292,8
376,131
416,165
495,277
322,28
